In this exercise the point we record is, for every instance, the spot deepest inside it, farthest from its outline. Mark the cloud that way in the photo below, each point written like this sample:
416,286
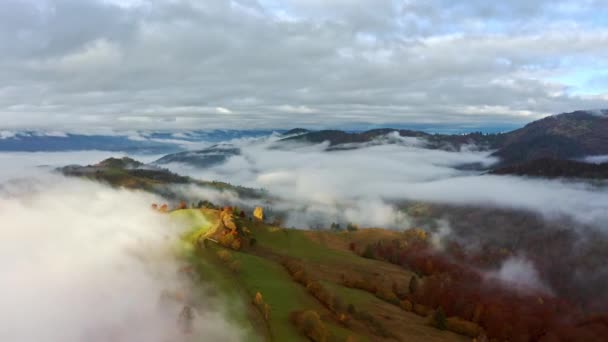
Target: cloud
521,274
180,64
222,110
365,184
596,159
84,262
24,165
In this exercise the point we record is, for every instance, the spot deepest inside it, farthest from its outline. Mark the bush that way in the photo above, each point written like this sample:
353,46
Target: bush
236,244
462,327
439,319
413,287
310,324
262,307
407,305
224,255
226,240
421,310
401,290
387,295
368,252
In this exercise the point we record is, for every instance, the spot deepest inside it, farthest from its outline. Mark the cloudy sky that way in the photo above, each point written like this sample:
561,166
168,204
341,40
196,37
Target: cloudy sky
191,64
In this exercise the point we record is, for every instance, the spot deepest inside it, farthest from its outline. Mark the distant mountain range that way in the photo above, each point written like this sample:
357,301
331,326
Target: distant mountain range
550,147
565,136
337,138
140,142
554,146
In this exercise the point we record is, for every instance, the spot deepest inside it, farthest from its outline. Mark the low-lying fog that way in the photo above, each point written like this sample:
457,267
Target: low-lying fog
83,262
361,185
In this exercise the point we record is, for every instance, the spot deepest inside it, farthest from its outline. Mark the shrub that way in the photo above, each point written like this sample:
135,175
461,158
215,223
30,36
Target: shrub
368,252
413,287
310,324
462,327
226,240
387,295
421,310
258,299
262,307
407,305
236,244
439,319
400,289
224,255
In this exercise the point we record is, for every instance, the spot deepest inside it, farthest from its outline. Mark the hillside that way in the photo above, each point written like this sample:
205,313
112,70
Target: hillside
266,267
565,136
335,138
555,168
373,285
132,174
207,157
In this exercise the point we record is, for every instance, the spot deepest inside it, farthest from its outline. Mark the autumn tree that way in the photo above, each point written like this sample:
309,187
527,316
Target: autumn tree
413,287
258,301
310,324
439,319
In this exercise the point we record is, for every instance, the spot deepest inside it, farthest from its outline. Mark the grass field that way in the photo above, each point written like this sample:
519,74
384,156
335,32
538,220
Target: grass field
260,271
196,222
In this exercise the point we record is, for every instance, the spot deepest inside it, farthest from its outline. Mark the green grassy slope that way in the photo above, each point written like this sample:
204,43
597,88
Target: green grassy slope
261,271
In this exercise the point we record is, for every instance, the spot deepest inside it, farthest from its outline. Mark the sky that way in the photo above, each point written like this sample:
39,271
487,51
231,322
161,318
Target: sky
73,65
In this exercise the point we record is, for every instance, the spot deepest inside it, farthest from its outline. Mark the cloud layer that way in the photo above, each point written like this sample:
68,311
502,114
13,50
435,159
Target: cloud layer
363,185
148,64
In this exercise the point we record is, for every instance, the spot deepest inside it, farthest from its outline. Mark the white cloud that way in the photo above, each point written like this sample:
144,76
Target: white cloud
7,134
84,262
520,273
222,110
329,186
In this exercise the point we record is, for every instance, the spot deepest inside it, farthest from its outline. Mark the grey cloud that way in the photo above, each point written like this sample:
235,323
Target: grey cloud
79,64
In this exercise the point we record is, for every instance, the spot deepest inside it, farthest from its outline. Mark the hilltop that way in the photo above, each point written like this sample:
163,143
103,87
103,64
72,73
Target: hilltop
211,156
132,174
565,136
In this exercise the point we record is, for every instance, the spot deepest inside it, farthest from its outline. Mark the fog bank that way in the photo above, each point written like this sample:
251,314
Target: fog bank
352,184
83,262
